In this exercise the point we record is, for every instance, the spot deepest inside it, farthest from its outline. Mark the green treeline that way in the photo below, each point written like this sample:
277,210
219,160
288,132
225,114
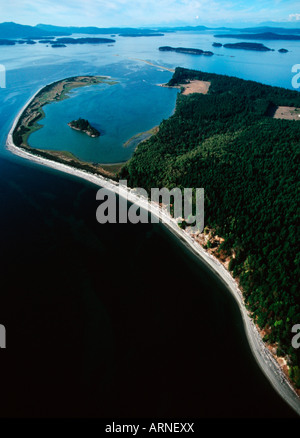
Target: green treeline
248,163
80,124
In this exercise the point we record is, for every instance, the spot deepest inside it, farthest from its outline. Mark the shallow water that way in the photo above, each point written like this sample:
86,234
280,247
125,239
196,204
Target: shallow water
135,104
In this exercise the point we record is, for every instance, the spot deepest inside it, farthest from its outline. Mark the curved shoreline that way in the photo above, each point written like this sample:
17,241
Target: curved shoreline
263,356
56,91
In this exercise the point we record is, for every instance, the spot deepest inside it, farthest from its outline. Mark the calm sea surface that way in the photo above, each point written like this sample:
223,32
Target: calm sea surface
114,320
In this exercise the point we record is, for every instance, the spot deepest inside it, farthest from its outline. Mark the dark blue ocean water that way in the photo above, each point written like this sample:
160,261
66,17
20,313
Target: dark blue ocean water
115,320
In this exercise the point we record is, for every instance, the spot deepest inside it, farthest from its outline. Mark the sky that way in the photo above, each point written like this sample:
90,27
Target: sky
105,13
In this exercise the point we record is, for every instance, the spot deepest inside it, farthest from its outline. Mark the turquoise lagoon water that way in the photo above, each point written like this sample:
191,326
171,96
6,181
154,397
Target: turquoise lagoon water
118,111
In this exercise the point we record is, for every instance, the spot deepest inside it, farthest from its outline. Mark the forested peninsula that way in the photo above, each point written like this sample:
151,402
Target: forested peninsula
229,143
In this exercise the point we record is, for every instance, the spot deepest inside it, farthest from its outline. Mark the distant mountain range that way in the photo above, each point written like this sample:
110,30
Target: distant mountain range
271,29
14,30
248,46
284,24
90,30
260,36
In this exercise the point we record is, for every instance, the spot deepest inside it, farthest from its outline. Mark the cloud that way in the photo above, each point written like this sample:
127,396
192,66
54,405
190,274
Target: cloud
105,13
294,17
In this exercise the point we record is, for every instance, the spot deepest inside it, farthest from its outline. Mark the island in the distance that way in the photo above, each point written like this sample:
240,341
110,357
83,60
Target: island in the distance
58,45
137,35
84,125
6,42
258,47
59,42
188,51
84,40
267,36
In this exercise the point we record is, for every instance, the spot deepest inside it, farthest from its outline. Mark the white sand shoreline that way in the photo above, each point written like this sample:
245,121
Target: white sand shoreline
263,356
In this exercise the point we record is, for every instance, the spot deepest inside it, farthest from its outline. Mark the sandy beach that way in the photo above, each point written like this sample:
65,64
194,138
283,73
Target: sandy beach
196,86
263,356
287,113
172,70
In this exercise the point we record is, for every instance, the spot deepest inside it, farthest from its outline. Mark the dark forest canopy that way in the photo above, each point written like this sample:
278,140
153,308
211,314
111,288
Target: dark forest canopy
248,164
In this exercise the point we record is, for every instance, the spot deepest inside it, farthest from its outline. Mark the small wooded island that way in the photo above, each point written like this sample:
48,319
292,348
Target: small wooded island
188,51
139,34
258,47
84,126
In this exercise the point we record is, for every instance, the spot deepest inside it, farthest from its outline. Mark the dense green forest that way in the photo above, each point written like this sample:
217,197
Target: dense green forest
248,163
